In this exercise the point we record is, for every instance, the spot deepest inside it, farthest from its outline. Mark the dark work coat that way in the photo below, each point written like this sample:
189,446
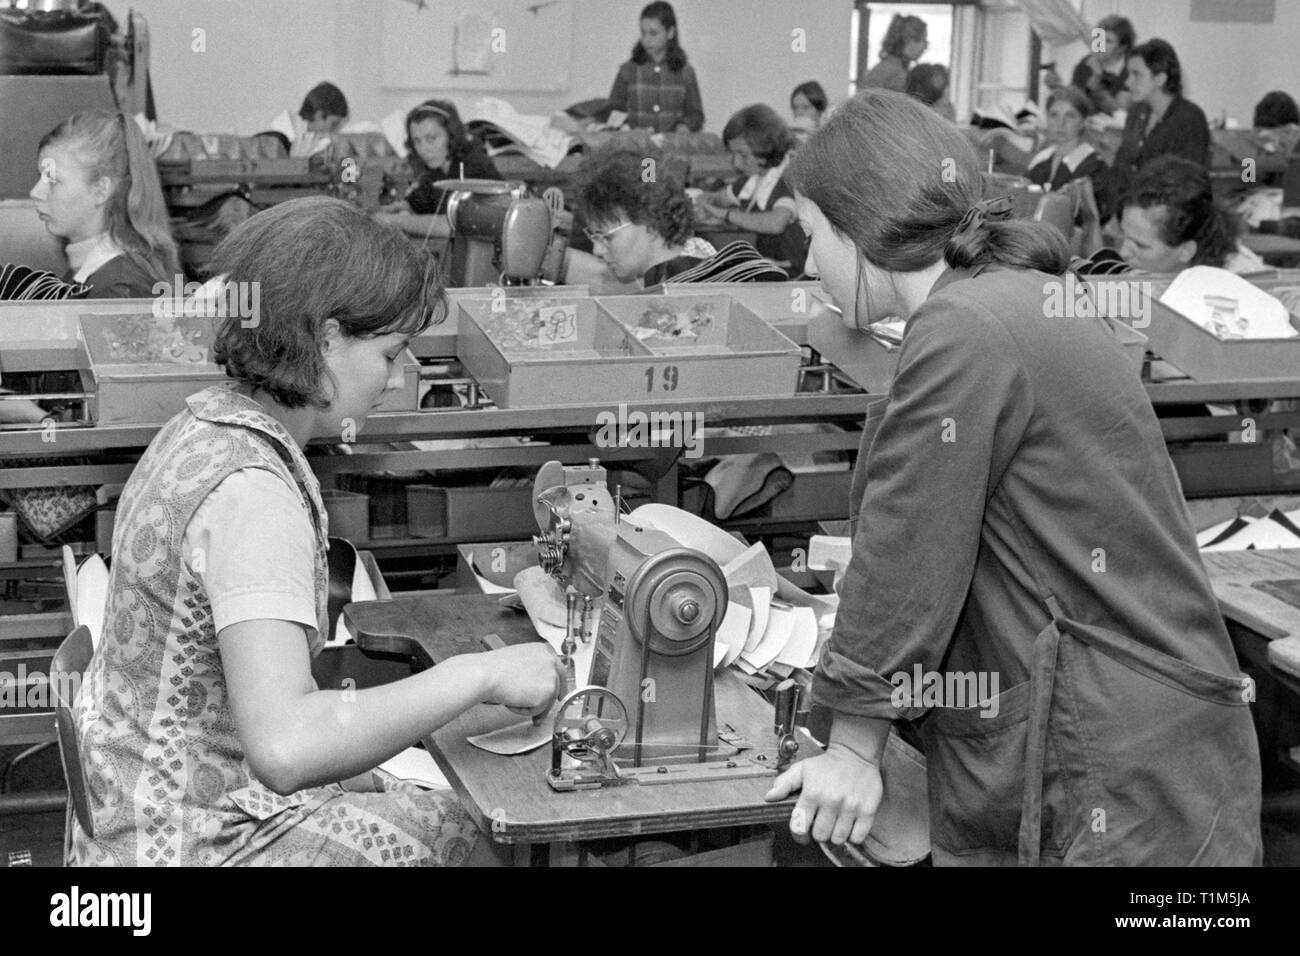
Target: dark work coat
1020,517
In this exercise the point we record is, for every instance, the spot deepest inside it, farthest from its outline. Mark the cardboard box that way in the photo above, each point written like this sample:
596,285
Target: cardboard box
1207,358
1208,468
591,351
786,306
814,496
439,341
143,366
406,398
480,512
470,512
349,514
426,511
8,537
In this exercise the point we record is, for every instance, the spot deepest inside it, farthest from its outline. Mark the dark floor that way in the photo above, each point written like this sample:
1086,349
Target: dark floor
41,834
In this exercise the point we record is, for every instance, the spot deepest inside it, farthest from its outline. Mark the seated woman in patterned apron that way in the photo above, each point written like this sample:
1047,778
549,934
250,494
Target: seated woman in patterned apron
203,735
1024,584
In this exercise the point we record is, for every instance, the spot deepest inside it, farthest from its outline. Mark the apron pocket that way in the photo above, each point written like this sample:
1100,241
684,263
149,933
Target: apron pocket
977,779
1174,776
976,769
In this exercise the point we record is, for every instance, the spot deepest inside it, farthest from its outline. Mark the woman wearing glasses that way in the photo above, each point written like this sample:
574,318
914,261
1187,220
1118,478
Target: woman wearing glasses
641,231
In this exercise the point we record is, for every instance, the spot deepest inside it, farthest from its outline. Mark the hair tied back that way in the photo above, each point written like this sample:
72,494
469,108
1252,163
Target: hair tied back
986,210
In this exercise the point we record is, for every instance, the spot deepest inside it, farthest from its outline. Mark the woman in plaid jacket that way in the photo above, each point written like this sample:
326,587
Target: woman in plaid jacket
657,87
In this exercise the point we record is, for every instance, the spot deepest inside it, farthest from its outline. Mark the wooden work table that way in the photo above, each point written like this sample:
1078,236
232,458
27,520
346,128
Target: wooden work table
509,796
1260,607
1236,577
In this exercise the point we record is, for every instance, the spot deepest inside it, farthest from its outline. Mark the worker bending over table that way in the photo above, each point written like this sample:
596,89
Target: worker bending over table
1020,521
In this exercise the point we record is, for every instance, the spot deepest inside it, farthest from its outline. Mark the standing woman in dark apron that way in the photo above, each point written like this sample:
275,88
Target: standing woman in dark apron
1022,546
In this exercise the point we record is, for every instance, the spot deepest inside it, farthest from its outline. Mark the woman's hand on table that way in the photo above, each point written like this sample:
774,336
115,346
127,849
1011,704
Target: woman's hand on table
839,794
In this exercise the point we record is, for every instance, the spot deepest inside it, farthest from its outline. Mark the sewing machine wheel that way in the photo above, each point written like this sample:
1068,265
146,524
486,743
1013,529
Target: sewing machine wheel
591,721
683,596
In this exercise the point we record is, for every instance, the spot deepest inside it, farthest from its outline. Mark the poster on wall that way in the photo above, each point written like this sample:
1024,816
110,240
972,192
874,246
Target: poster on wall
1234,11
498,45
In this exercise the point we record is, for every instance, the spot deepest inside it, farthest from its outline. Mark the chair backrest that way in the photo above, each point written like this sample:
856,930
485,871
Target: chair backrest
354,576
66,672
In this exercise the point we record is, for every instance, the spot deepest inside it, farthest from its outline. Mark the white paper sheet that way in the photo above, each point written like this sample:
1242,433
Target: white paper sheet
798,650
780,626
517,738
829,553
733,632
416,765
92,596
1263,534
760,600
1259,314
752,567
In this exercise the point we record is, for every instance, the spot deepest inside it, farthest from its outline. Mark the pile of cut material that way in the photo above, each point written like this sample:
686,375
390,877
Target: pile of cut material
1244,532
772,628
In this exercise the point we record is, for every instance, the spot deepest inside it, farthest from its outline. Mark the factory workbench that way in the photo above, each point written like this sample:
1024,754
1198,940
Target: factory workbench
508,795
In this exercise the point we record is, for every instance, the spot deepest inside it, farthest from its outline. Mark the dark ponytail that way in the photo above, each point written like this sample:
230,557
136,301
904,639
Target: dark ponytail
987,234
900,182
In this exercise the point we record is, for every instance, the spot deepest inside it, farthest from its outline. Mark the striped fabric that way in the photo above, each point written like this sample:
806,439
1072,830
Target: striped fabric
21,282
735,262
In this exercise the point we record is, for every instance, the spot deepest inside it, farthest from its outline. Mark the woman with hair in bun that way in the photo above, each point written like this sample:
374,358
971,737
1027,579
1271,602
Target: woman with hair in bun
1021,529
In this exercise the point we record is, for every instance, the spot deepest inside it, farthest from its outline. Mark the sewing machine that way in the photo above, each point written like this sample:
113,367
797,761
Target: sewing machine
197,168
498,235
648,713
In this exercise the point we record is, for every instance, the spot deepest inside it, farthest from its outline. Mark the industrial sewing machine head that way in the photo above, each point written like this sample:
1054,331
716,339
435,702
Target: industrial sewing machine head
649,711
498,235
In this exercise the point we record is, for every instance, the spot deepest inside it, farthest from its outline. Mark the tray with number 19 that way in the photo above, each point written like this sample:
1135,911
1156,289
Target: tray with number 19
528,353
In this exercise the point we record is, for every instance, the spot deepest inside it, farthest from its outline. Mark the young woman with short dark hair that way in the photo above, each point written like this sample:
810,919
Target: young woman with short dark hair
201,730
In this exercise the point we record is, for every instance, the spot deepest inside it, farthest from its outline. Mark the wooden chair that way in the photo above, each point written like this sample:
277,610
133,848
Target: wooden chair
66,673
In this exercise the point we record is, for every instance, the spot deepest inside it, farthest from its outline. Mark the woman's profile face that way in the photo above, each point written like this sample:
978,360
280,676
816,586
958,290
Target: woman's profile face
429,139
832,258
1141,82
1113,49
361,371
655,37
1144,247
802,108
914,49
627,248
743,159
71,207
